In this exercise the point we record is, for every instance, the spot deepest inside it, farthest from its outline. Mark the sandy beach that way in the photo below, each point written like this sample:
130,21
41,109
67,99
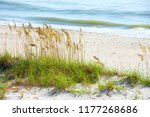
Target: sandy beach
119,52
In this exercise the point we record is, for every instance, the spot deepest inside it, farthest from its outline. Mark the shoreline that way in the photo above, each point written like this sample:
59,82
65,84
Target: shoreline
123,32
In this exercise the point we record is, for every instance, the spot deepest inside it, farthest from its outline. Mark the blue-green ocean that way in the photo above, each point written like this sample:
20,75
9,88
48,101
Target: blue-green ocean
114,14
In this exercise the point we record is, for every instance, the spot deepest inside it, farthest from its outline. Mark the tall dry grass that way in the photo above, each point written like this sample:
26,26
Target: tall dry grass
44,41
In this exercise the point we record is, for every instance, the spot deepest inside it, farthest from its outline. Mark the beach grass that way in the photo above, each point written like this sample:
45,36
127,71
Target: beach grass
47,71
60,73
2,91
109,86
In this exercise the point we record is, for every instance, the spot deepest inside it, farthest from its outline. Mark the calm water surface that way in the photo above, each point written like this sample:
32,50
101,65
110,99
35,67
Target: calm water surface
122,14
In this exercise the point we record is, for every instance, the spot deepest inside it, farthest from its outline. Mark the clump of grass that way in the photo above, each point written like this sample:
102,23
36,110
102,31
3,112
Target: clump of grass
5,60
109,86
134,77
63,82
47,71
80,91
112,72
145,82
2,91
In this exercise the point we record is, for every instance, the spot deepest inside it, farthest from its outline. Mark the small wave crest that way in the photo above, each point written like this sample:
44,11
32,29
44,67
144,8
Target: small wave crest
96,23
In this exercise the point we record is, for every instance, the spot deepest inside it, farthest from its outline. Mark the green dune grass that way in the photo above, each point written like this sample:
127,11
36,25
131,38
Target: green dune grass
60,73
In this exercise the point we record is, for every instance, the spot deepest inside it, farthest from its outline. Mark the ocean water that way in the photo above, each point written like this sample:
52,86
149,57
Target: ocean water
98,14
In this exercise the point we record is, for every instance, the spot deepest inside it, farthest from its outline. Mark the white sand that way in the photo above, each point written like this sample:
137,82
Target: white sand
137,93
115,51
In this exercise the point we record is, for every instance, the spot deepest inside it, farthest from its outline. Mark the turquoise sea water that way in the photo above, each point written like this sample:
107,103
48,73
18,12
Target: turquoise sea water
91,13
